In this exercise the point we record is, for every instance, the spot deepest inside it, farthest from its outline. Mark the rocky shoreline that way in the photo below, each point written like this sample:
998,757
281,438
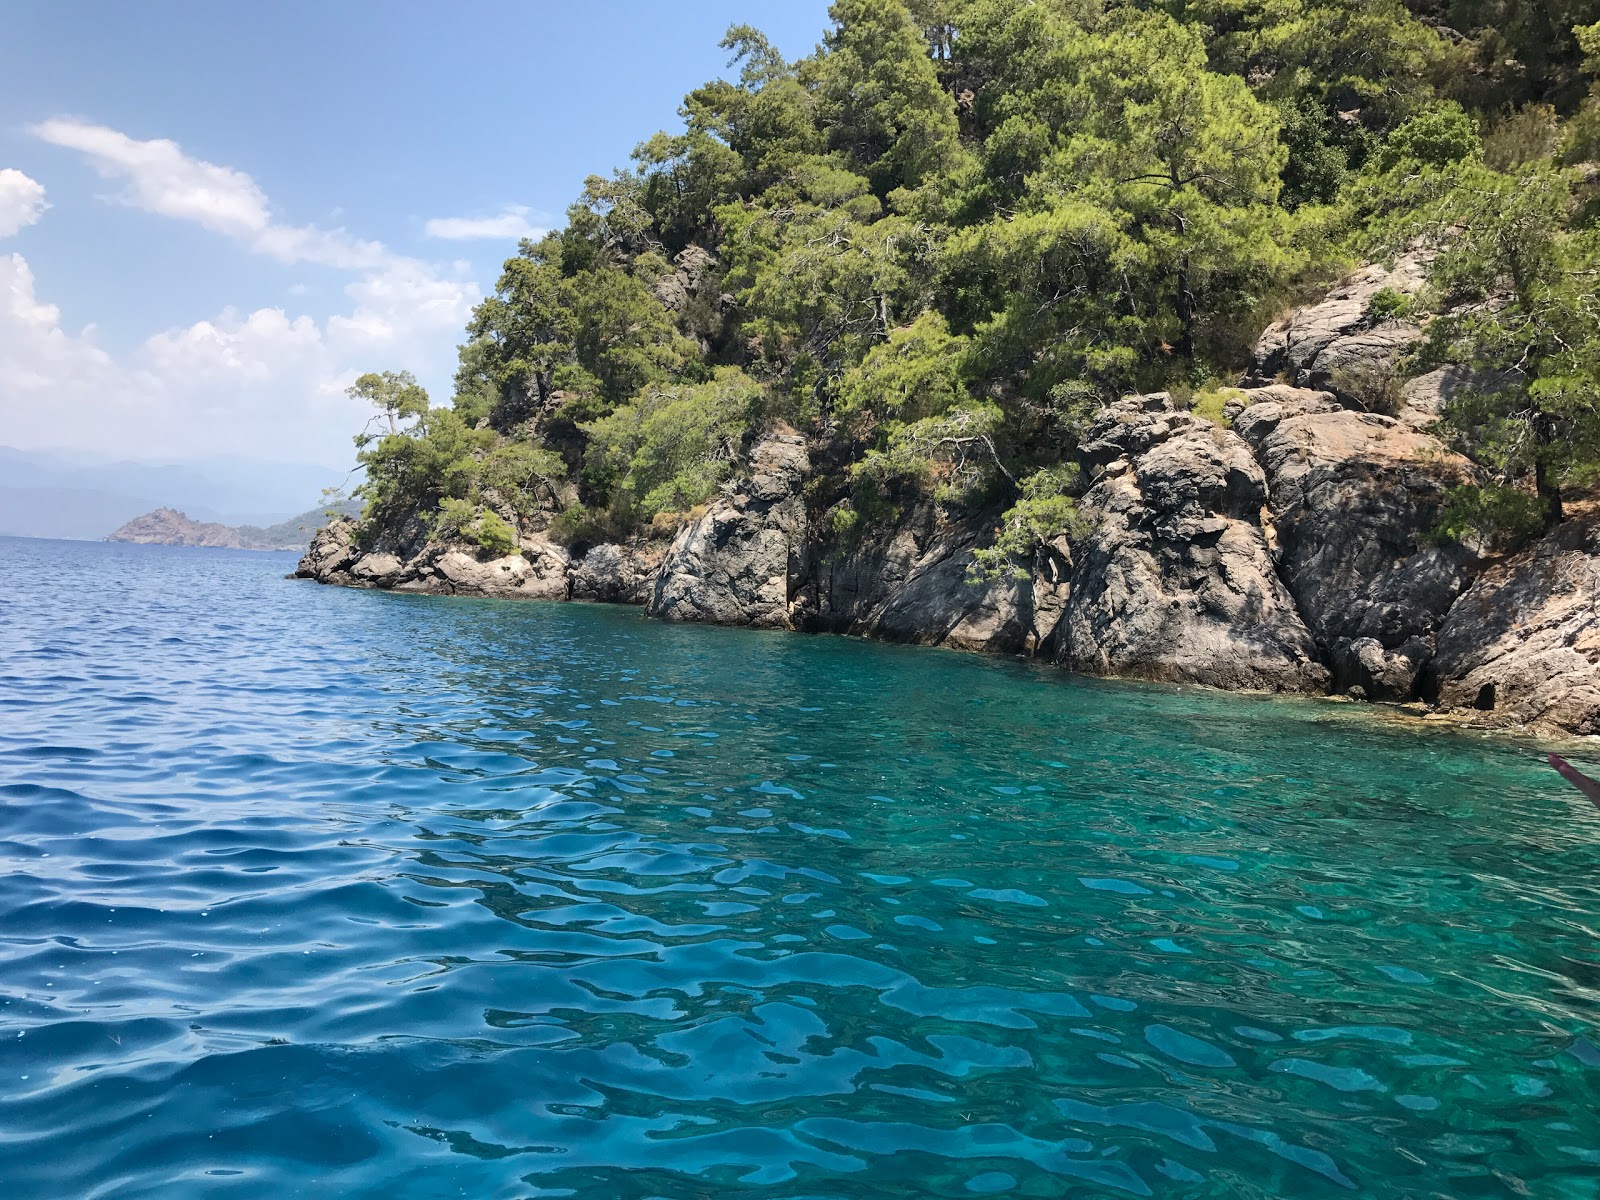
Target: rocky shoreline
1287,547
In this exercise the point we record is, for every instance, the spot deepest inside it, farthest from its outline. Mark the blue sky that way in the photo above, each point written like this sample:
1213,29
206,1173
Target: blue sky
213,215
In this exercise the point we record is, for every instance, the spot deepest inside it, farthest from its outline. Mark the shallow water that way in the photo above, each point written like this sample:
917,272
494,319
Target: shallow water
311,892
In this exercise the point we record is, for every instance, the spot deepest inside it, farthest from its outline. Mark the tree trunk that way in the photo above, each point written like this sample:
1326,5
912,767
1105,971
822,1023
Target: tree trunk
1544,481
1186,313
1550,495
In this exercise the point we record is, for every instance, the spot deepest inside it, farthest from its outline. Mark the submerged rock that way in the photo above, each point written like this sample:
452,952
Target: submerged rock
735,564
1522,645
1175,581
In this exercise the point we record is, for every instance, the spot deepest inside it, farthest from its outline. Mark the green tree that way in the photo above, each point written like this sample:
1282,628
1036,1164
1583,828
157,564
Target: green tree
1520,289
669,448
396,394
880,99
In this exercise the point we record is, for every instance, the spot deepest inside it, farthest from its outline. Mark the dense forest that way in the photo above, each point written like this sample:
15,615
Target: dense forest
940,241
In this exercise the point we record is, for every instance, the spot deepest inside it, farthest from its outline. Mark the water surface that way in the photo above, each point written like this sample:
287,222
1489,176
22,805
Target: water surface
311,892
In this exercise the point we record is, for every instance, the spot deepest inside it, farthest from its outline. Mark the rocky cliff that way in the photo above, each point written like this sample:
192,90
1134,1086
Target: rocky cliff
1286,547
169,527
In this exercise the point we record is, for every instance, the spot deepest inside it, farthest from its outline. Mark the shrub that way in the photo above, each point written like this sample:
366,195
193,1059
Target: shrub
471,522
578,525
1390,304
1045,511
1501,514
1375,389
1527,135
1211,403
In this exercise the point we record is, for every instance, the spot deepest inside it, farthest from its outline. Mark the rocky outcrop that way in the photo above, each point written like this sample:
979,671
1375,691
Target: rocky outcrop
691,279
1176,581
1337,344
331,553
538,571
1287,546
1354,500
912,583
1522,645
613,573
738,562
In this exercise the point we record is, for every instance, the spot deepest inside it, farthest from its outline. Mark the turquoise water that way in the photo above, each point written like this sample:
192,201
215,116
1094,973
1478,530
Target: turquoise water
311,892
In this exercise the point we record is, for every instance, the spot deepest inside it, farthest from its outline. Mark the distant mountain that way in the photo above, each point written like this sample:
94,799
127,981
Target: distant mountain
169,527
54,494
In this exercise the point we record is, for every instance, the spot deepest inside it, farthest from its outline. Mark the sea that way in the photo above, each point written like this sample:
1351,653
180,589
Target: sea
309,892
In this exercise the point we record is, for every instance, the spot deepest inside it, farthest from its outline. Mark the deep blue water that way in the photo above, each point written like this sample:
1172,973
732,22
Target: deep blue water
311,892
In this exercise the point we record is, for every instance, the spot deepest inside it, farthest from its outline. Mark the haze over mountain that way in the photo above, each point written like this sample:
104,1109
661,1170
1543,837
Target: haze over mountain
64,495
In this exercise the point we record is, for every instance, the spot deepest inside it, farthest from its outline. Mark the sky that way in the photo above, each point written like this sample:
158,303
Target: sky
214,216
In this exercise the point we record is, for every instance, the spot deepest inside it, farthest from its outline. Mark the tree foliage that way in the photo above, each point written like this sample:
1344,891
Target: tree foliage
938,242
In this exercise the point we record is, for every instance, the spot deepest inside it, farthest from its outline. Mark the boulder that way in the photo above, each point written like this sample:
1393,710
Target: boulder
617,574
377,568
693,268
734,565
1354,498
1522,645
331,552
458,571
1334,342
1175,581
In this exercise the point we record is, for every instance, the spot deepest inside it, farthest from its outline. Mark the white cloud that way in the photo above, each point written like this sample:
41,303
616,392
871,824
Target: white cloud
22,201
266,383
512,222
162,179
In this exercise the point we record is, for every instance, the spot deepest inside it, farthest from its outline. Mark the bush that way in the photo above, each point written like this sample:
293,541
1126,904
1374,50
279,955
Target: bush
493,535
1375,389
1440,135
1390,304
578,525
1501,514
1045,511
1211,403
1527,135
471,522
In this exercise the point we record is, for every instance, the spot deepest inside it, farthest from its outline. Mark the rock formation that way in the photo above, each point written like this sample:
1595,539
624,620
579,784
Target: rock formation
1337,343
910,583
736,564
1354,498
1289,547
1175,581
1522,645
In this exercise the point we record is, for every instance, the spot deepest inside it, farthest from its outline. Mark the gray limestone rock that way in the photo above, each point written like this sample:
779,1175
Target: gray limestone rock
1522,645
1175,581
617,574
735,564
1354,499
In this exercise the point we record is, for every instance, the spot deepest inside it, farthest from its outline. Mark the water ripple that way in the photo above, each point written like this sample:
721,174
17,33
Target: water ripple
311,892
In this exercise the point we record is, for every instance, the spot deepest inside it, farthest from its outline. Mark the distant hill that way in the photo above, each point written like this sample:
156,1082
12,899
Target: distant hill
169,527
59,495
